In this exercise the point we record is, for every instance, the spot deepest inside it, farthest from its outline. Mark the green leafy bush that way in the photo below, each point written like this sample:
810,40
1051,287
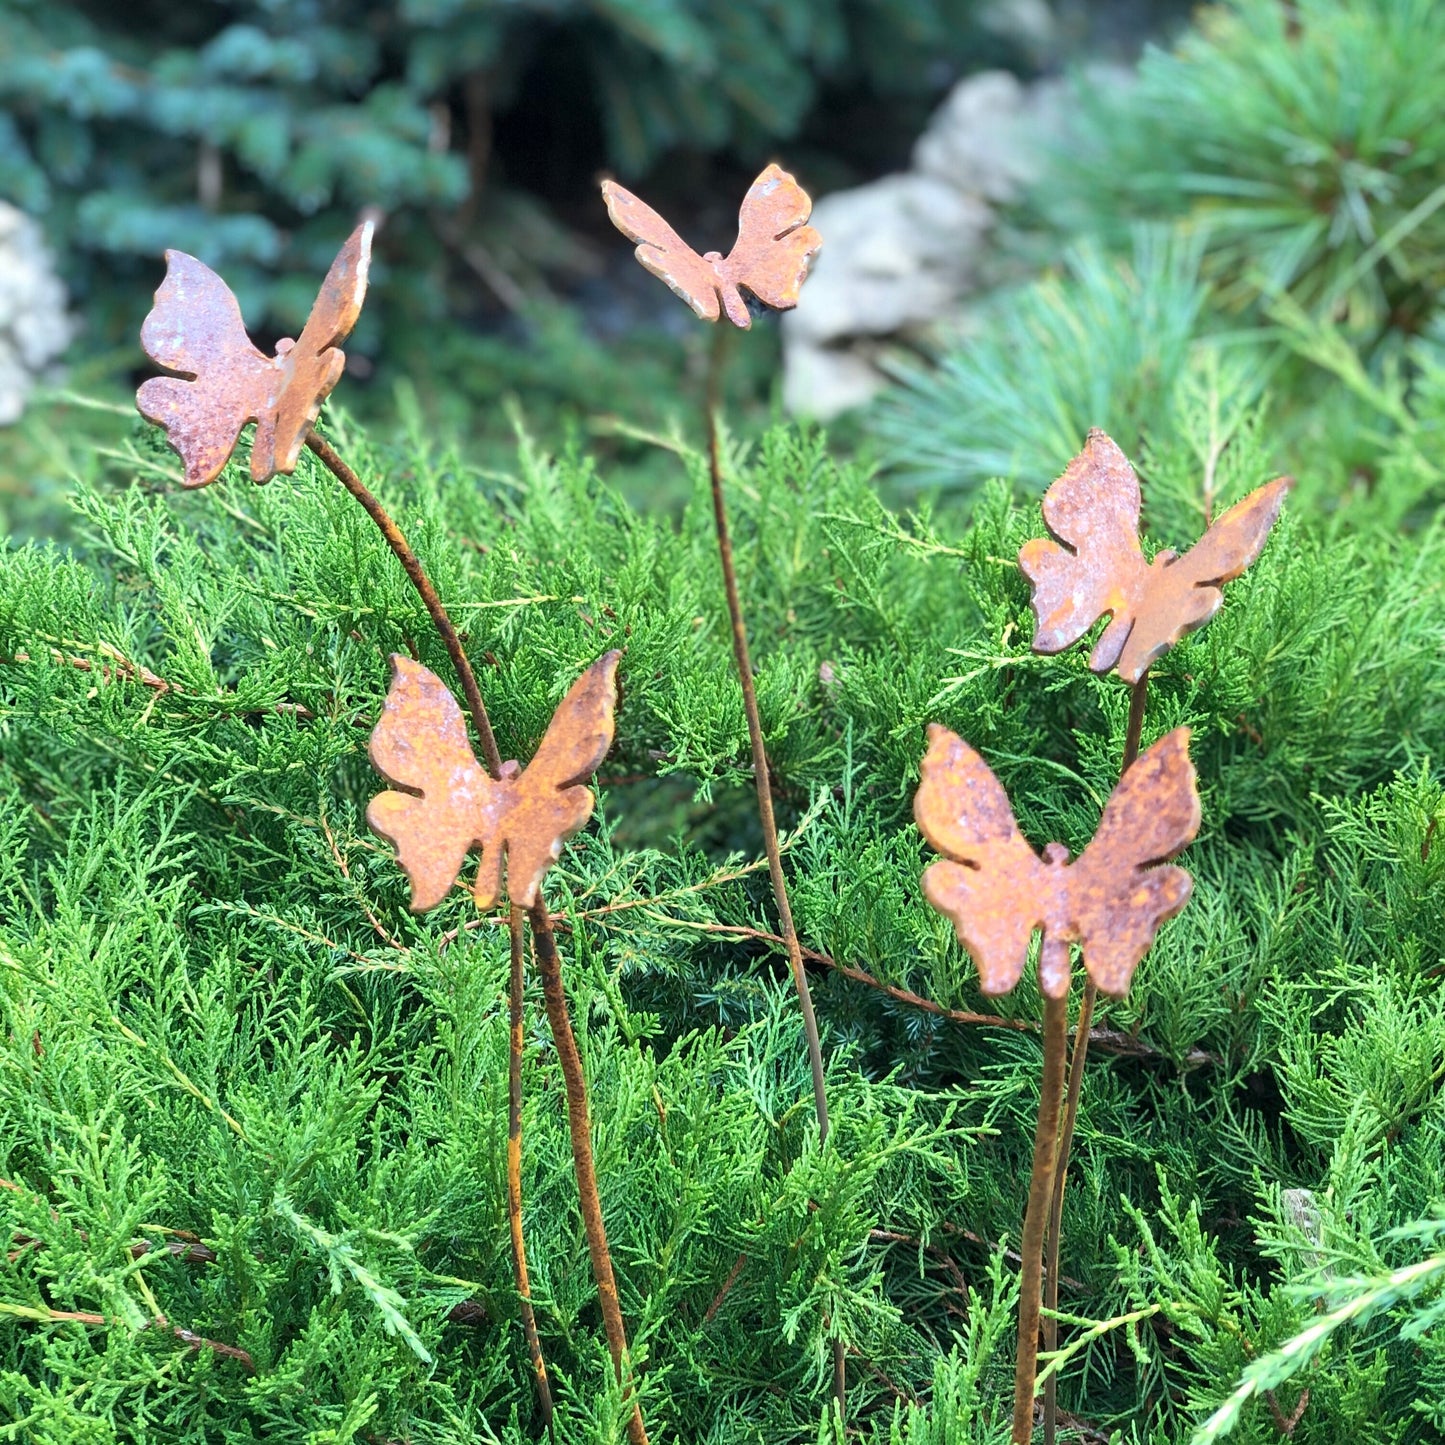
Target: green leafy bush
1102,342
224,1036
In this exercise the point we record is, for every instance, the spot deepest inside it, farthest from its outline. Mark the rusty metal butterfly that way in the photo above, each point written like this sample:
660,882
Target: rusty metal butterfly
1110,900
449,804
1096,566
195,329
770,259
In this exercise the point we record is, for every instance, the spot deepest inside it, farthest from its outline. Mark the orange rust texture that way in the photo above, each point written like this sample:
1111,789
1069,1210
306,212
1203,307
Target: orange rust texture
448,804
997,890
223,382
770,258
1095,565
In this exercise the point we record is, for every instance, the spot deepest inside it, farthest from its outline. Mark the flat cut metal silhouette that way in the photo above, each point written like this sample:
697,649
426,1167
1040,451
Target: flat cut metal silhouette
770,259
449,804
997,891
195,329
1095,565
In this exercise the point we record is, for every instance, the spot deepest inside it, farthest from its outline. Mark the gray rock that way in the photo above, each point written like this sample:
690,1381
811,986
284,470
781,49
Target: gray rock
981,139
34,326
901,256
894,252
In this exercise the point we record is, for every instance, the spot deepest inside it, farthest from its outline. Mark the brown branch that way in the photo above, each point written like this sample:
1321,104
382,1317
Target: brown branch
123,670
945,1260
341,865
727,1285
43,1314
1285,1424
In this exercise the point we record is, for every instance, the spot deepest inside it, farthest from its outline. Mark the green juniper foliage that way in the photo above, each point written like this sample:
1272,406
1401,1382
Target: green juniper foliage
246,1093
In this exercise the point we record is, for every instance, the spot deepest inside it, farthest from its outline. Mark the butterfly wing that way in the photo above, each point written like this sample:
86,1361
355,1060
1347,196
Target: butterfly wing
663,252
195,329
775,245
549,802
990,883
1183,593
1117,896
1094,564
314,365
448,803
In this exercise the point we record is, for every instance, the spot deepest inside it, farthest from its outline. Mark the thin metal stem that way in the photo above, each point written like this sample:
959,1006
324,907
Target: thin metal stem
1133,732
492,756
428,594
1134,729
1056,1205
761,778
579,1125
763,783
1046,1137
514,1166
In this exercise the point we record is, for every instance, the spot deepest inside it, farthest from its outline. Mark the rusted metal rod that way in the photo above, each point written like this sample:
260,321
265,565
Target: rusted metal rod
1133,732
492,756
580,1128
1041,1183
761,779
395,539
762,782
514,1165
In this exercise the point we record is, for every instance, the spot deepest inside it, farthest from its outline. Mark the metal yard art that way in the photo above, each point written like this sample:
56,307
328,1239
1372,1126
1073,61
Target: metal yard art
998,891
1095,565
1091,567
445,801
223,382
449,804
1111,900
770,260
196,330
520,817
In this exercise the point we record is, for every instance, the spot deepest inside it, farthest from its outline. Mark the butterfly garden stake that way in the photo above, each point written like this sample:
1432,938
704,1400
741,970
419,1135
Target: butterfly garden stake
1110,900
1094,566
446,805
769,260
222,382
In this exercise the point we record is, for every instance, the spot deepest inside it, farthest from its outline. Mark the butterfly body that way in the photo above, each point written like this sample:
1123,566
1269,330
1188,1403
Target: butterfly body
195,329
1093,566
448,804
770,259
998,892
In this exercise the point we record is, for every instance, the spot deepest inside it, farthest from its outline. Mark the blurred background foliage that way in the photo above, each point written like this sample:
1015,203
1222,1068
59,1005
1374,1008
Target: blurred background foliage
251,132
